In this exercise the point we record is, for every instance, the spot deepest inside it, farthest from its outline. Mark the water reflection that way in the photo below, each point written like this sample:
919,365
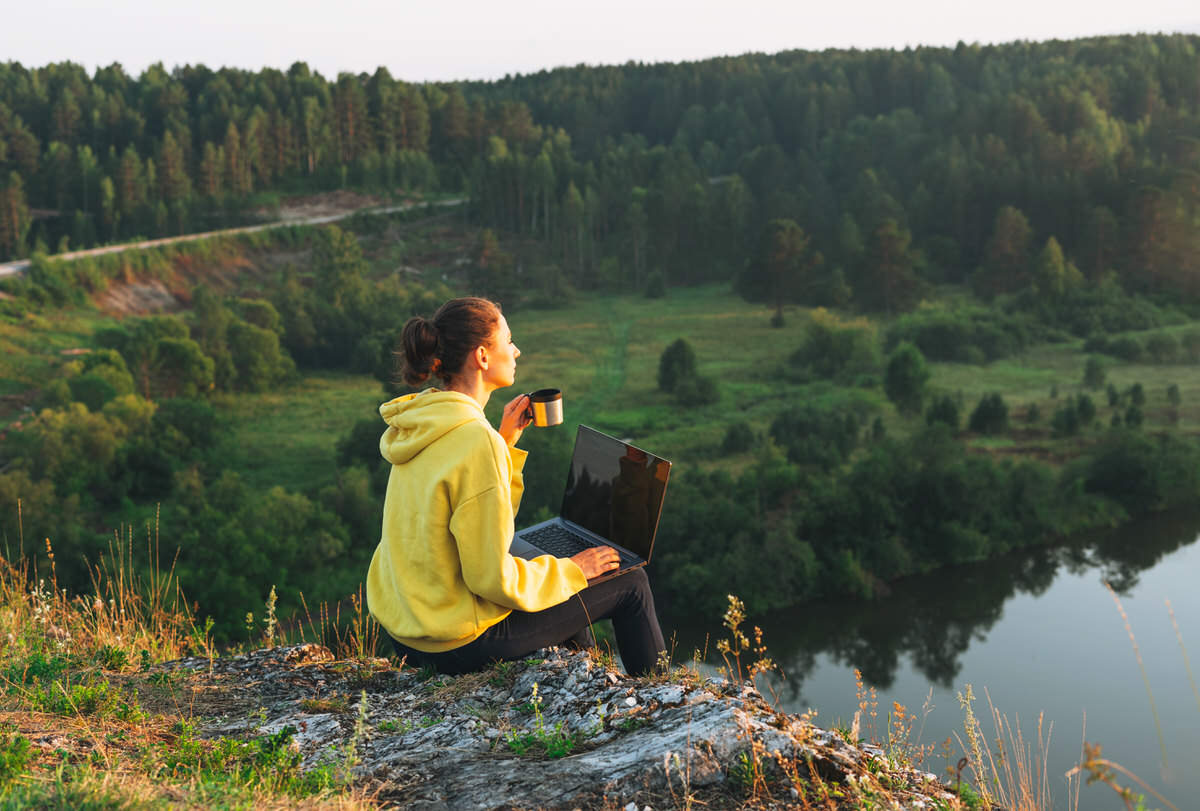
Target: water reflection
933,619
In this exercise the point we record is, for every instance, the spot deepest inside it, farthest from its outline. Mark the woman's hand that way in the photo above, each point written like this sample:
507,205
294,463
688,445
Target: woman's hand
516,417
597,560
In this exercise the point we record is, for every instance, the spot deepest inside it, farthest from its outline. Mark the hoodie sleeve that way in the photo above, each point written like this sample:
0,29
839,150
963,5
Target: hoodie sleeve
482,527
517,482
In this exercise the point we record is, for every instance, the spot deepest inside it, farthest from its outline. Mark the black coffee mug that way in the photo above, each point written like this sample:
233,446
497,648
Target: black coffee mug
545,407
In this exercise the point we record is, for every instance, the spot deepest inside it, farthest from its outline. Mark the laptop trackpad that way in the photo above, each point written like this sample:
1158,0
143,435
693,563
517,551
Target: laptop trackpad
524,549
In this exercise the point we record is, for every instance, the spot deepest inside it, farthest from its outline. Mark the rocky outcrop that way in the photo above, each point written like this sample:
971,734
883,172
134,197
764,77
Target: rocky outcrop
559,730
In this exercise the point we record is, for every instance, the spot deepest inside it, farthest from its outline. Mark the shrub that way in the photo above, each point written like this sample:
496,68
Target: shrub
1137,395
677,362
1190,341
1114,397
1086,409
1093,373
836,349
92,390
906,377
1065,421
1173,395
677,374
1141,472
15,757
739,438
696,390
990,416
1162,348
1125,347
967,335
944,410
656,285
817,437
1033,414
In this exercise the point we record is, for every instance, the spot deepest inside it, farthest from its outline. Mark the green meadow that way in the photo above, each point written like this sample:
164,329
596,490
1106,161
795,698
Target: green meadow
604,351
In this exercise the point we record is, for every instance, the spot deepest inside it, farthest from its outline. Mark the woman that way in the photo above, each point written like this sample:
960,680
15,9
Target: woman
442,582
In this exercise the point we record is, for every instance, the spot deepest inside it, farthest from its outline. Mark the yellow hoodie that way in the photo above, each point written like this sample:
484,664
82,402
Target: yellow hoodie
442,573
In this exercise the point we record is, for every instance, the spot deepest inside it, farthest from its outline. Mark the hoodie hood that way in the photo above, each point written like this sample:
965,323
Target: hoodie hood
416,421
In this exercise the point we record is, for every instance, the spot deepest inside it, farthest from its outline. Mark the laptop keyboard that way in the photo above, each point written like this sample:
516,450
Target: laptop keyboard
562,543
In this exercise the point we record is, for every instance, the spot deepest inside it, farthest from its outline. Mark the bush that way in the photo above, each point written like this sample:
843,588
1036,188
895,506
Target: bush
1190,341
1162,348
1126,347
1140,472
739,438
905,378
990,416
817,437
967,335
1033,414
944,410
1093,373
92,390
696,390
677,374
1137,395
1065,421
836,349
677,362
1086,410
656,285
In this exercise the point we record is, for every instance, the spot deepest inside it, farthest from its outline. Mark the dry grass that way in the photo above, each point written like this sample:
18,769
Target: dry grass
88,721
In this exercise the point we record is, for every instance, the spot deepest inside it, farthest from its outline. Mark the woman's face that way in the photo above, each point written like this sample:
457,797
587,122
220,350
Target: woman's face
502,357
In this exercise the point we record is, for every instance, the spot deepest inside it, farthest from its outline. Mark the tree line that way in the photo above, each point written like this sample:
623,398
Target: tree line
1050,167
1046,167
110,156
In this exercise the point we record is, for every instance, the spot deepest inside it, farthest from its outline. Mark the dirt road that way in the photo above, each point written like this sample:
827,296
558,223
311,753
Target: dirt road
14,268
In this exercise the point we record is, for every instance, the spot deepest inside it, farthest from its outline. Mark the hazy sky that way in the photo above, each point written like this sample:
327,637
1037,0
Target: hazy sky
442,39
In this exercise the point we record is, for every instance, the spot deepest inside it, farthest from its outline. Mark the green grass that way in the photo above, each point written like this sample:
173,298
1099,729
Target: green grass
288,437
603,353
31,345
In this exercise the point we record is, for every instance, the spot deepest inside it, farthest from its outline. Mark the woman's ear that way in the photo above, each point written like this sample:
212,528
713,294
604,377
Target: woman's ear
481,356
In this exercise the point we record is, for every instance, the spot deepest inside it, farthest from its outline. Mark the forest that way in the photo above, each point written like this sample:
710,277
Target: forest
890,219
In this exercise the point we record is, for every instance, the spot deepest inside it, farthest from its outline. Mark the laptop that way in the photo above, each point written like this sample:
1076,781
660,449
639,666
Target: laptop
614,497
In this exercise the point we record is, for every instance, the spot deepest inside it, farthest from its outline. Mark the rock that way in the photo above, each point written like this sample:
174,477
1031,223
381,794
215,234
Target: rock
455,742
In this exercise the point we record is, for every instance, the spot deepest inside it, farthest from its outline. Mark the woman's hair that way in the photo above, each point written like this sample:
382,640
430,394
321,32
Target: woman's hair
440,346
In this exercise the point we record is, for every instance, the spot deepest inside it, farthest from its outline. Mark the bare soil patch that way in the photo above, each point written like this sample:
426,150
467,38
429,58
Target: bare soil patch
321,205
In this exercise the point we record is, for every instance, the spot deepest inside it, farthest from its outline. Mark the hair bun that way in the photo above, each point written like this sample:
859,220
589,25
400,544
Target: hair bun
421,342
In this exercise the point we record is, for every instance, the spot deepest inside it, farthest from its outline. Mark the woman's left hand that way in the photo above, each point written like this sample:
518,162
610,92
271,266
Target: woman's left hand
516,418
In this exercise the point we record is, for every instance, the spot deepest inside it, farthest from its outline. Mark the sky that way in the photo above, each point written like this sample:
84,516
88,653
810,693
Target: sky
444,40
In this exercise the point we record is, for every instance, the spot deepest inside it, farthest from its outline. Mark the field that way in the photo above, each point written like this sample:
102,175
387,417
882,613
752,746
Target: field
603,352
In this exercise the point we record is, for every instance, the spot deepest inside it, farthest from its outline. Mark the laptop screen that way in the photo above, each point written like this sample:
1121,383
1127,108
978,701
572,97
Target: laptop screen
615,490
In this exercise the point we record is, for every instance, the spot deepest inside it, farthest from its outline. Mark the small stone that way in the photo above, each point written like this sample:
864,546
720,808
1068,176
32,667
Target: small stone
631,702
631,807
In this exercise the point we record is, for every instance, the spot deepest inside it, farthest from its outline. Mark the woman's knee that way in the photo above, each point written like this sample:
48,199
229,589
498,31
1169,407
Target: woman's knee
639,581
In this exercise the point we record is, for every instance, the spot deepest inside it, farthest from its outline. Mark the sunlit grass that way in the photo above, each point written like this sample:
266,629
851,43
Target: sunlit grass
288,436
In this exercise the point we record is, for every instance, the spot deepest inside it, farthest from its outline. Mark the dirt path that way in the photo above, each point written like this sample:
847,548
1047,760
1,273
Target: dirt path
14,268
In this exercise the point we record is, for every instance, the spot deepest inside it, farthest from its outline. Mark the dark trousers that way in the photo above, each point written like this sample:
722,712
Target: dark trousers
626,600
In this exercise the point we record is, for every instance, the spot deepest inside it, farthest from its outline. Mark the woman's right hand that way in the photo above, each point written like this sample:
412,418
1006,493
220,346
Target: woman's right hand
597,560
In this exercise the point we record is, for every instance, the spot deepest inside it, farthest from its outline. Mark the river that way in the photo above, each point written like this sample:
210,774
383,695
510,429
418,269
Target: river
1041,632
